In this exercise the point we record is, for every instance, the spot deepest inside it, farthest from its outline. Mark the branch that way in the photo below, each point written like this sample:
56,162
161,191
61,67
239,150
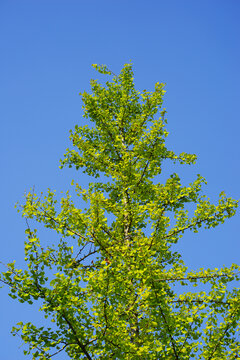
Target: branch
195,277
63,314
57,352
143,172
99,243
166,324
221,337
105,307
189,330
80,344
189,226
201,301
65,226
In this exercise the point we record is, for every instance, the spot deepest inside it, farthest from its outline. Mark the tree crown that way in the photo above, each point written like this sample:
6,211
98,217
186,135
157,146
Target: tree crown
108,285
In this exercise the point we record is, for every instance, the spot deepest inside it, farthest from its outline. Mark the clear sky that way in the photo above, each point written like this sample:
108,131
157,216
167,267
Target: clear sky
46,51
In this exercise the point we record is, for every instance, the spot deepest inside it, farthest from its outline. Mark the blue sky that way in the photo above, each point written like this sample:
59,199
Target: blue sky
47,48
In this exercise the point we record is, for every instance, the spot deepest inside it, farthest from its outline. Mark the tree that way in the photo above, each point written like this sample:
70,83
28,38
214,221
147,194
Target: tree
113,287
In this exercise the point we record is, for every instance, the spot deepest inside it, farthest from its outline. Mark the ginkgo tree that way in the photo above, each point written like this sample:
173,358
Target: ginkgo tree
113,286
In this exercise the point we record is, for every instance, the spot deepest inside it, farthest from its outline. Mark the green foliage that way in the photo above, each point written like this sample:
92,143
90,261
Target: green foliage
112,287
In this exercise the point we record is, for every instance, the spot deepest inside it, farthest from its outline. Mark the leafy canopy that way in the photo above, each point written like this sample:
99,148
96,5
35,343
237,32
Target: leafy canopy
112,287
